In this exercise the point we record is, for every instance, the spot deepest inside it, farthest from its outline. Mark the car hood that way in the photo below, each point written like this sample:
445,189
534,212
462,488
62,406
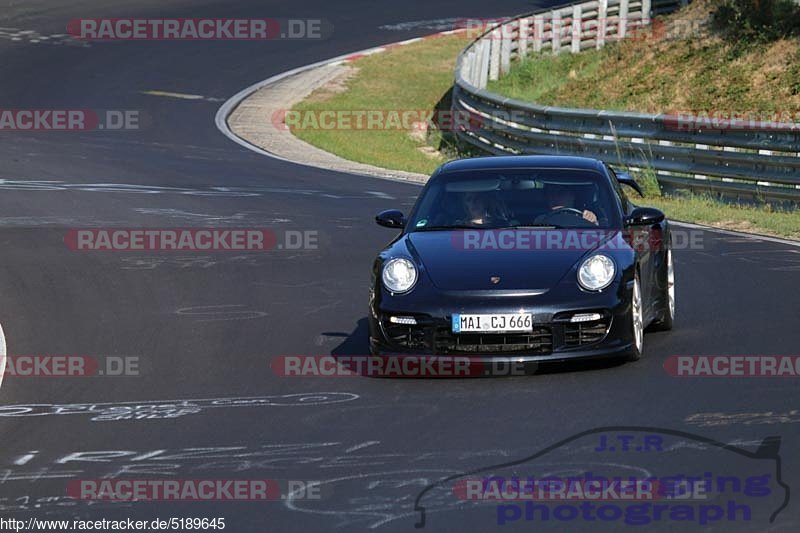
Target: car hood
451,265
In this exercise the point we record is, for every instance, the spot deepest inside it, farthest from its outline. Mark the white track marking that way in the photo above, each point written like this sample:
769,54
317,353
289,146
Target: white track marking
747,236
431,24
362,445
2,354
181,96
29,36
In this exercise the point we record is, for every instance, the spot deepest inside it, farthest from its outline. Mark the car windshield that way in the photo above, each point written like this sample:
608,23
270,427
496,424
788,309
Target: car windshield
493,199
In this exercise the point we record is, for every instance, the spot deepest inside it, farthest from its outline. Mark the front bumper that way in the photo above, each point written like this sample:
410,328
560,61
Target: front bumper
553,338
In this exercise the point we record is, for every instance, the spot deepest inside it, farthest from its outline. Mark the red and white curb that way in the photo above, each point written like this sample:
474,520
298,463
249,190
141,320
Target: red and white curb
378,49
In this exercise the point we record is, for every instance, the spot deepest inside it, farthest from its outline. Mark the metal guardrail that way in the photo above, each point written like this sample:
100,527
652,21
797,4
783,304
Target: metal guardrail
737,159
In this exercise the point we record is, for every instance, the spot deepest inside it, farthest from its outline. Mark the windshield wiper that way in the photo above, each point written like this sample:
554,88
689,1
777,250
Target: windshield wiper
489,228
531,226
454,226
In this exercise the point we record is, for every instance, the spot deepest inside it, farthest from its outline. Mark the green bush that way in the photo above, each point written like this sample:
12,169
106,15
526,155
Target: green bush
757,21
648,181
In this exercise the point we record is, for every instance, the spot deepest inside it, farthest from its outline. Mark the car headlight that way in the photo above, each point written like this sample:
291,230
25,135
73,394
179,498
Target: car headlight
596,272
399,275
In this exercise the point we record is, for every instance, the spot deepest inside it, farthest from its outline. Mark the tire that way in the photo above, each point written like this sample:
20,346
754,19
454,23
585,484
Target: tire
637,321
667,313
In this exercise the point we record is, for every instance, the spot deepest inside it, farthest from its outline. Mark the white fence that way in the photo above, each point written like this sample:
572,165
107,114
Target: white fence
570,28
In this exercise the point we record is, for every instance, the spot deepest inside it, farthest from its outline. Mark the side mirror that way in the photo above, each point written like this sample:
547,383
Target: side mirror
645,216
626,179
391,218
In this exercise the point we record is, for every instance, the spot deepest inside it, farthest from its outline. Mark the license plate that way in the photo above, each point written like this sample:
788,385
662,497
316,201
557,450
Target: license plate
492,323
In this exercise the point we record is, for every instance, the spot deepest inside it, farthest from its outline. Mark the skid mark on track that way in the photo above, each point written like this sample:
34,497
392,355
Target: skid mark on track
719,419
187,215
183,262
200,218
220,313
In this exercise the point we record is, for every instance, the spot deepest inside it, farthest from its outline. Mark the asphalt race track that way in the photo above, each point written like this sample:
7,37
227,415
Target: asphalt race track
205,327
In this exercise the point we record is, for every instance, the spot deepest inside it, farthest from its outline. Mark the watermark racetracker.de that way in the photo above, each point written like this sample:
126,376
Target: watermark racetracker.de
198,490
72,120
205,239
733,366
541,27
198,29
394,366
720,120
71,366
641,240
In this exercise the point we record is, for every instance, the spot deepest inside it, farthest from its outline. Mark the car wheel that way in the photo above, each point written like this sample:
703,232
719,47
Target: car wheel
667,314
637,321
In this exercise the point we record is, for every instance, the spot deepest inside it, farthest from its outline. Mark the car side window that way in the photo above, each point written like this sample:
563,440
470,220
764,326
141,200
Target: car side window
623,198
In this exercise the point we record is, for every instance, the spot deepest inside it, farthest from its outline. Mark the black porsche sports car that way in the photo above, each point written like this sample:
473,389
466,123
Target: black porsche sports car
523,258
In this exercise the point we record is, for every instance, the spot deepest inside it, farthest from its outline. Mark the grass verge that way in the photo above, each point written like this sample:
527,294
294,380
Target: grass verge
703,210
406,78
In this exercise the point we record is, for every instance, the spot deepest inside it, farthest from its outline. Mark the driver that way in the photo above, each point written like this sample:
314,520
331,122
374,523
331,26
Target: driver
563,197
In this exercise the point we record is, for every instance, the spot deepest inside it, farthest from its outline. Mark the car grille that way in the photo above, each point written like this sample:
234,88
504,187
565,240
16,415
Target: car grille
440,340
539,341
407,337
583,333
432,336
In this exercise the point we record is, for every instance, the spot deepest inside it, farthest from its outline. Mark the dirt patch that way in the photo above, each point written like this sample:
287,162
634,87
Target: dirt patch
337,85
430,151
735,225
773,64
